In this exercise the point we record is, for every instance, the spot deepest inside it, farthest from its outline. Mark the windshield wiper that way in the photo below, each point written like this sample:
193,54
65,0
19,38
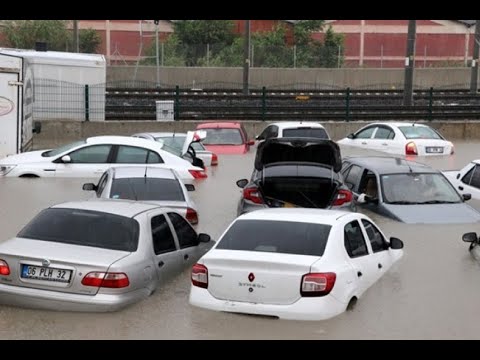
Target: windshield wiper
403,202
439,202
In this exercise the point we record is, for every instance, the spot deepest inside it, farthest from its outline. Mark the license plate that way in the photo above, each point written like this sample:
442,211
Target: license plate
434,150
46,273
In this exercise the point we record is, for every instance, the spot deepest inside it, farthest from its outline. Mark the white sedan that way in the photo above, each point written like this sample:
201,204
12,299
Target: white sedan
298,264
159,186
466,180
400,138
91,157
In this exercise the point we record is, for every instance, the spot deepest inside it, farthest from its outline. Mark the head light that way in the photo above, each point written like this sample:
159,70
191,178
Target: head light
5,169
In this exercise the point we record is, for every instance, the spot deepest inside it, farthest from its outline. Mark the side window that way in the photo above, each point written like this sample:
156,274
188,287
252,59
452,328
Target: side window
353,175
368,184
154,158
384,133
365,134
101,184
475,181
187,237
265,133
95,154
354,241
377,241
162,236
273,131
467,178
131,155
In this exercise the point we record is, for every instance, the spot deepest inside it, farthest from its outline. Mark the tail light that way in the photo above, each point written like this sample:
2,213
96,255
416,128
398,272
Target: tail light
411,149
343,196
200,276
192,216
106,280
317,284
214,160
4,269
251,193
198,174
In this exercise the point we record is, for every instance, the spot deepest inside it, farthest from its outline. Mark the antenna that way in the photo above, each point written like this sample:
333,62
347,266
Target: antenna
145,175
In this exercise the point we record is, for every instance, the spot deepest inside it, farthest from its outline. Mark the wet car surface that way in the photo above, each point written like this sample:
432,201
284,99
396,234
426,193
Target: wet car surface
429,294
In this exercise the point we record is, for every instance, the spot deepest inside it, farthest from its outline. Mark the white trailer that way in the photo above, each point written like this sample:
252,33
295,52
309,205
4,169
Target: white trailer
16,105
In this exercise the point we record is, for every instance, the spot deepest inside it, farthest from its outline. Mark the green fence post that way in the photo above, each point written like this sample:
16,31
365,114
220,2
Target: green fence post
264,102
430,104
347,105
87,105
177,102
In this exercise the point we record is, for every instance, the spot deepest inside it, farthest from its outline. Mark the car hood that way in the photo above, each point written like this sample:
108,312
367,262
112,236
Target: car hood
227,149
320,151
26,157
434,213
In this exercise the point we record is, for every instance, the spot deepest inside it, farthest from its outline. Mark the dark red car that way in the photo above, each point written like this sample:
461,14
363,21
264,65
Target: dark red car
226,137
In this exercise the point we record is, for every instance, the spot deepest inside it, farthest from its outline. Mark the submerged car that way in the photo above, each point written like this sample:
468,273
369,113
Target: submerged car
406,191
467,179
308,129
296,264
162,187
98,255
400,138
295,172
226,137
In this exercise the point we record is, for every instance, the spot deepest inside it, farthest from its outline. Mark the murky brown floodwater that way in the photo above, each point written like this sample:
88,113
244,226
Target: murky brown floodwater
431,293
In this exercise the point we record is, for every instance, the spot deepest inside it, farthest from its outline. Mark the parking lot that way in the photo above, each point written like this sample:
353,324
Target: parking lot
430,293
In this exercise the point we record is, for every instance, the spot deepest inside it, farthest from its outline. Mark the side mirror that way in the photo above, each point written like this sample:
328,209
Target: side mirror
251,142
458,176
66,159
190,187
37,127
395,243
242,183
203,238
351,136
470,237
466,197
366,199
89,187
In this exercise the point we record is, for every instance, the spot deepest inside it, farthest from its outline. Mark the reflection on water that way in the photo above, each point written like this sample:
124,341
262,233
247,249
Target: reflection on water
429,294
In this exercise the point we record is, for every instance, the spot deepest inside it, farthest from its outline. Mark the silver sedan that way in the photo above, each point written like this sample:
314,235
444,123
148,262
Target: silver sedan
97,255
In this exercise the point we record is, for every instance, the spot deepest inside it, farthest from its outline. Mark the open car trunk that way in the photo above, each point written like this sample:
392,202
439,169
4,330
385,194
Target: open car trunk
297,185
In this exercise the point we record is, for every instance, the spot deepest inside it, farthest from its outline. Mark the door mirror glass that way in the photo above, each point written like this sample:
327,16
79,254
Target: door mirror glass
242,183
66,159
458,176
251,142
466,197
204,238
470,237
351,136
396,243
89,187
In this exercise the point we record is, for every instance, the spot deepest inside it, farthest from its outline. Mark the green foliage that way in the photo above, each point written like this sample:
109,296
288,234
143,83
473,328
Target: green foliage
89,41
172,53
23,34
304,28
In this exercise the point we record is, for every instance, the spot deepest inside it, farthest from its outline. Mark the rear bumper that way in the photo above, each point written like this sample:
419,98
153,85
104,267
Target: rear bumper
58,301
313,309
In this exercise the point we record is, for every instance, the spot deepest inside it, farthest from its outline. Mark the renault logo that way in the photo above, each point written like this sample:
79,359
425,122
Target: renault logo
251,277
45,262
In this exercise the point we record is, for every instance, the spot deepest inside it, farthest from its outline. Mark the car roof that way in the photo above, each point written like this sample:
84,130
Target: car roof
124,140
390,165
227,125
122,172
128,208
397,124
159,134
316,216
295,124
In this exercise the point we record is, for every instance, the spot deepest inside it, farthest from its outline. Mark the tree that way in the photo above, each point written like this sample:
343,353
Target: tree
89,41
303,30
23,34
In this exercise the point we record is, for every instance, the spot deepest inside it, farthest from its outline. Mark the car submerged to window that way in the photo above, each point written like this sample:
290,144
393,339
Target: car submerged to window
406,191
96,256
295,172
296,264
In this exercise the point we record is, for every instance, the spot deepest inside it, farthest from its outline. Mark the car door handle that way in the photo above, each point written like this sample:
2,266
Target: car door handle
380,266
185,256
359,274
161,263
460,188
364,143
384,144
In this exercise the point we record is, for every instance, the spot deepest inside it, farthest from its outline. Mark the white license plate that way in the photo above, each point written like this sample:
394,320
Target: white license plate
434,150
46,273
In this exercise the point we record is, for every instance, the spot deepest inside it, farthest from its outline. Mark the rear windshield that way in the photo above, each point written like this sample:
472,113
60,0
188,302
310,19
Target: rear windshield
318,133
178,141
286,237
223,137
147,189
83,227
419,132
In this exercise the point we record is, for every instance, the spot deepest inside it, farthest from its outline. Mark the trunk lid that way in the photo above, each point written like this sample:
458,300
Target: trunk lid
73,262
256,277
312,150
432,147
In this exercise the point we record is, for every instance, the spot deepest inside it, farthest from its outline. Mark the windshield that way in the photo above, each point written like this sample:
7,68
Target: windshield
153,189
223,137
85,228
287,237
419,132
318,133
418,188
63,149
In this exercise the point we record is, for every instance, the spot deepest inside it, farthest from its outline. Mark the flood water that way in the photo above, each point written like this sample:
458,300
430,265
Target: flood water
431,293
